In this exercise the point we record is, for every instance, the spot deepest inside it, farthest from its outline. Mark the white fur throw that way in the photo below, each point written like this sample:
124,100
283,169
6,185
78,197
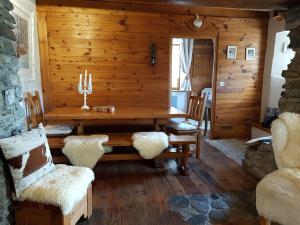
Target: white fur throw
286,140
63,187
150,144
28,157
84,150
278,196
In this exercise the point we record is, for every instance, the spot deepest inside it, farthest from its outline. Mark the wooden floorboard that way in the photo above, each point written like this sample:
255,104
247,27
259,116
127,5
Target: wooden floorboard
136,193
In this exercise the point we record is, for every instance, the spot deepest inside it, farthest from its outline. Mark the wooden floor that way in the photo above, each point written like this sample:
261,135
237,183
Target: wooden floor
136,193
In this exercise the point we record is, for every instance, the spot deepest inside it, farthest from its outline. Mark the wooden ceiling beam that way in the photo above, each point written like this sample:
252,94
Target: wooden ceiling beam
152,8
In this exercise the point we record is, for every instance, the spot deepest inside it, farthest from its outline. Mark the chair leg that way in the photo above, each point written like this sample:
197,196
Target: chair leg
264,221
198,146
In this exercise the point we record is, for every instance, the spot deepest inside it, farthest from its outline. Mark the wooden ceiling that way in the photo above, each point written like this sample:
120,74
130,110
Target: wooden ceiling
264,5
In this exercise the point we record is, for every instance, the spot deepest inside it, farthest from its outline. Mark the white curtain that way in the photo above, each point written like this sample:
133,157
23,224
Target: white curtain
186,60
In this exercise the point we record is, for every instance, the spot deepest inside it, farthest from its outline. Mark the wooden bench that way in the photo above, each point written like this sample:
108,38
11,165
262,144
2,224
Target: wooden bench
181,143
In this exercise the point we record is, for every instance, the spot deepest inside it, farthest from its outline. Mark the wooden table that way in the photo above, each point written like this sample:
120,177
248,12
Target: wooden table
77,116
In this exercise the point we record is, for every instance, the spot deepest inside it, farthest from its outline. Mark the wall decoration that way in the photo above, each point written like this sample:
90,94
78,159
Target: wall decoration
24,45
250,53
231,52
153,54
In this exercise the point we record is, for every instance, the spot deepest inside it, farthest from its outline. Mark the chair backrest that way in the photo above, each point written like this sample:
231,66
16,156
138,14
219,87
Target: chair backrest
34,110
286,140
196,108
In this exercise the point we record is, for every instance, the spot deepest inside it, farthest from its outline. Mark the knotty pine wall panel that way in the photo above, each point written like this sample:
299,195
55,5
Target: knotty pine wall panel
114,46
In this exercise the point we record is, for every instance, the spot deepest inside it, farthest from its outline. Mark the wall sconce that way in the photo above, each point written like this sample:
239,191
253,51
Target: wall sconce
153,54
197,22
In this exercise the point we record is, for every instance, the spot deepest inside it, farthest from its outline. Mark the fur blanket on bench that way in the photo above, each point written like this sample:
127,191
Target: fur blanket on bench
84,150
150,144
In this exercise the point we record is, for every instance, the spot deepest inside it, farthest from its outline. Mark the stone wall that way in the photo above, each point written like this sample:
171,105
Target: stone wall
11,112
290,100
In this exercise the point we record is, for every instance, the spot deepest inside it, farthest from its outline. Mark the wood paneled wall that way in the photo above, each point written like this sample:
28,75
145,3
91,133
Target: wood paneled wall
114,46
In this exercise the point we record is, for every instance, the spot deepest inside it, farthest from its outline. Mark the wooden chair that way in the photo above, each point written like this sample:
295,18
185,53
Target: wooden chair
35,115
196,108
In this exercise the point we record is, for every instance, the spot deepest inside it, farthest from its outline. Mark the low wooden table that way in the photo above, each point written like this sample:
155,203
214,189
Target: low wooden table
78,117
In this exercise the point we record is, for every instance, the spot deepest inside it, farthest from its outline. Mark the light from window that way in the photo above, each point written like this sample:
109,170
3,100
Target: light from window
176,66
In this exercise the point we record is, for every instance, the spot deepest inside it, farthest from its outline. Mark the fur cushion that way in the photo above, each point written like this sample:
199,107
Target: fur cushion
278,196
150,144
183,124
58,129
28,157
84,150
286,140
63,187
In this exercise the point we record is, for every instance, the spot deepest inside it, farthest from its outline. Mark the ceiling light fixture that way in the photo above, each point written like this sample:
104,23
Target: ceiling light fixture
197,22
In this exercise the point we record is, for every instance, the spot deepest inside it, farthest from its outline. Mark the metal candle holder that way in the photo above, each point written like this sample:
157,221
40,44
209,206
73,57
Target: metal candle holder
86,90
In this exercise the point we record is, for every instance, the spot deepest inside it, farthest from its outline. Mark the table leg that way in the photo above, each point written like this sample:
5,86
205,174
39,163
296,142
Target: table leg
80,128
184,159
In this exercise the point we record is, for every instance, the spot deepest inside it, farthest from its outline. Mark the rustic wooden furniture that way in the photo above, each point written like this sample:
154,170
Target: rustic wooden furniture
35,115
196,109
31,213
181,143
79,117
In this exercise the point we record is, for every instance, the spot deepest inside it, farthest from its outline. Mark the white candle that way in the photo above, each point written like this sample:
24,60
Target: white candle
80,82
90,82
85,77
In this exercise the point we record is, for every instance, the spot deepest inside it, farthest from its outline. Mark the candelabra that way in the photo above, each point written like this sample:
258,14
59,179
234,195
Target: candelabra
86,90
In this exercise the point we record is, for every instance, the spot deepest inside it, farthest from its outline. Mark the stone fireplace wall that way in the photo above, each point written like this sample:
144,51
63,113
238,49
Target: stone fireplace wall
290,100
11,112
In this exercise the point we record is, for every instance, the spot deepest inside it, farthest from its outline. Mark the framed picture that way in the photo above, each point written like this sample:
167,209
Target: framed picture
250,53
231,52
24,45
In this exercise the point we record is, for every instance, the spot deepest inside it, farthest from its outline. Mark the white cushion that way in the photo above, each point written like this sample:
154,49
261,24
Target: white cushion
58,129
183,124
28,157
63,187
278,196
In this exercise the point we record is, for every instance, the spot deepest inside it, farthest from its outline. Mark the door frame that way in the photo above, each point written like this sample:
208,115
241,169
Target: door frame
215,40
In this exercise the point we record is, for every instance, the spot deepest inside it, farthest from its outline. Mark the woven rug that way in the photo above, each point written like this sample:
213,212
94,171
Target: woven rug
233,148
233,208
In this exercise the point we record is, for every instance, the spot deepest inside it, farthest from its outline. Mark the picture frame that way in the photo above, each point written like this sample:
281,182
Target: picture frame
250,54
231,51
24,45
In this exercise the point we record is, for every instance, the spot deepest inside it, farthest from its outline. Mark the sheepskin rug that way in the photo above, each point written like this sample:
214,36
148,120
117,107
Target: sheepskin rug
63,187
278,196
84,150
286,140
150,144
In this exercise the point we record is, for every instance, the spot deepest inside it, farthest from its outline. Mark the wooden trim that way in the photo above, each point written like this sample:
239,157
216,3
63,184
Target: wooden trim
44,5
44,59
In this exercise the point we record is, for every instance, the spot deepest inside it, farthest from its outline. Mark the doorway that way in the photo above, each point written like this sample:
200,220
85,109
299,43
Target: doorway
201,75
